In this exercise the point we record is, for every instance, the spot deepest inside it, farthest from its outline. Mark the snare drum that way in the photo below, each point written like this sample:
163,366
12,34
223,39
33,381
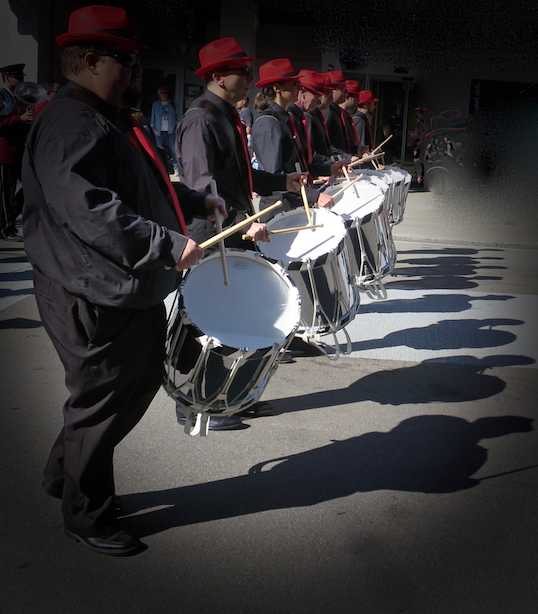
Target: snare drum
318,263
397,181
370,244
224,342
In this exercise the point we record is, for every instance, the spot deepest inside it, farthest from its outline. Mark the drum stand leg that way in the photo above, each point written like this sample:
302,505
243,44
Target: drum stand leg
198,425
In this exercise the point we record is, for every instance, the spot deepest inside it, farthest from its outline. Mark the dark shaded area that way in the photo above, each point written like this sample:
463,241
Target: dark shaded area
433,303
427,454
428,382
452,270
447,335
18,323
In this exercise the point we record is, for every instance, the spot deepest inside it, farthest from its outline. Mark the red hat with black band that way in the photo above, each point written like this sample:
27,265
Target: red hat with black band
221,53
353,87
366,96
276,71
100,24
312,81
337,78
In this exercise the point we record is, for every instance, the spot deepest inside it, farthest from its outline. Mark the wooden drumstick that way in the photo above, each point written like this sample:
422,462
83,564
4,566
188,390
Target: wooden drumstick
346,174
218,224
231,229
281,231
303,194
367,158
380,146
345,188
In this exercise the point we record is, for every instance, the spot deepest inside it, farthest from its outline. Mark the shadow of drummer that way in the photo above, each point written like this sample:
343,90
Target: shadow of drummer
425,454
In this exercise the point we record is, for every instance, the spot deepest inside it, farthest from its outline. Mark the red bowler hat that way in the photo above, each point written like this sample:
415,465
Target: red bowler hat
366,96
328,87
276,71
222,53
336,77
99,24
353,87
312,81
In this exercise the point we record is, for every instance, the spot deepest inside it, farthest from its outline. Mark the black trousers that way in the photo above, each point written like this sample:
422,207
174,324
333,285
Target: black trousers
113,360
10,206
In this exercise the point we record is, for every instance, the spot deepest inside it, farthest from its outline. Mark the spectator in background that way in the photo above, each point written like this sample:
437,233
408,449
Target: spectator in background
52,90
165,116
245,115
13,131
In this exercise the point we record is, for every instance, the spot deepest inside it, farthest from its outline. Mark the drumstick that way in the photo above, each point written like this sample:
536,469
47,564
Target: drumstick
281,231
345,188
218,224
367,158
346,174
380,146
303,194
231,229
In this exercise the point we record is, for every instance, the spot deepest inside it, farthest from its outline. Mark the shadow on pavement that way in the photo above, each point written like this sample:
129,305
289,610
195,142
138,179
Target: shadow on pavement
432,303
427,454
19,322
447,335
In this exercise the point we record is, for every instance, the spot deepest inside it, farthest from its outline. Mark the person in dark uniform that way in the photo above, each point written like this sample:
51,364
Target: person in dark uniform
13,131
365,108
211,144
275,139
312,85
105,233
333,114
348,107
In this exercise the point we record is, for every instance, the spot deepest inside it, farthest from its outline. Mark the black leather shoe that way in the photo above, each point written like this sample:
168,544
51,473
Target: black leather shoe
55,489
118,543
222,423
261,408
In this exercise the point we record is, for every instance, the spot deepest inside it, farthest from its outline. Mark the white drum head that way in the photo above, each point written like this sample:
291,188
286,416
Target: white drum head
259,307
305,244
359,200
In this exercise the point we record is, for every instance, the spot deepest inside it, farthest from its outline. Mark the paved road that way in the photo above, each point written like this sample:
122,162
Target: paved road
400,479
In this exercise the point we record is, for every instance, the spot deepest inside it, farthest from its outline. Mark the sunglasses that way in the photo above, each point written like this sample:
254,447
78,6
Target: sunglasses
129,60
246,70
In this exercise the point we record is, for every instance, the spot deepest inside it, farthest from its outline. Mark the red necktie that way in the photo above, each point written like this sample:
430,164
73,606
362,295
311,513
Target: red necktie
322,117
241,131
343,118
297,138
307,138
355,132
139,139
370,133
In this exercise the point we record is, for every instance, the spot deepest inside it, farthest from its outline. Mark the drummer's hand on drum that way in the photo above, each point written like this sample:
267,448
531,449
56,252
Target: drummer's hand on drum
211,202
294,181
259,232
324,200
336,168
328,180
190,256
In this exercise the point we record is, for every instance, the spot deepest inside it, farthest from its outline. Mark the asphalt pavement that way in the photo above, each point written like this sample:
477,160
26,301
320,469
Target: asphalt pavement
399,479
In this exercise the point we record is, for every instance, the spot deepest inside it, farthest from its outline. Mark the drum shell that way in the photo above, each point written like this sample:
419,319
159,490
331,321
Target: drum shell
206,375
328,299
371,247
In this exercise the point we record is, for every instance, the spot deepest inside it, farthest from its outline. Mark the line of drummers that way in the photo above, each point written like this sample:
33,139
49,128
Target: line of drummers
297,273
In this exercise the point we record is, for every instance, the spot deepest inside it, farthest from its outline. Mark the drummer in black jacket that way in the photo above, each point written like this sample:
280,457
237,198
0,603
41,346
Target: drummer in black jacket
275,140
333,115
312,86
211,144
